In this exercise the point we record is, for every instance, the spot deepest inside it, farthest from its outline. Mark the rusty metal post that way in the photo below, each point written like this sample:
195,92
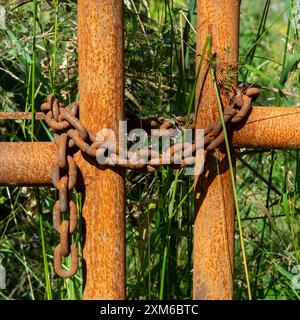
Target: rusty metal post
101,90
214,221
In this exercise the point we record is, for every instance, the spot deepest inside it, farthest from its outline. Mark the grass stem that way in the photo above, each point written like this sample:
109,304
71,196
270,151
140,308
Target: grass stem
228,151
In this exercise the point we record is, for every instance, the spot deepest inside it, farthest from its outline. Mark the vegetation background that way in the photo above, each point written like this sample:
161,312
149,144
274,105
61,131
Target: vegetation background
38,55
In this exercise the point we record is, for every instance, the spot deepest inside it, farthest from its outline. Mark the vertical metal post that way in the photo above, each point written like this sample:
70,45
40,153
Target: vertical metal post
214,221
101,89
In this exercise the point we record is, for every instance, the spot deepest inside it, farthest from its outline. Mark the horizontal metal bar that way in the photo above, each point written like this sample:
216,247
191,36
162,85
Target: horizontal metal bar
26,163
270,127
21,116
29,163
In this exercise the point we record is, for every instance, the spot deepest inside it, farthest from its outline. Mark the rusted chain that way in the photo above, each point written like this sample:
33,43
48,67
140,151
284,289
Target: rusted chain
64,178
64,119
71,132
234,113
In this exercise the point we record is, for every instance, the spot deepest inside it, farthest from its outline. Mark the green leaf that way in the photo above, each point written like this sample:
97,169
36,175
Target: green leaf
291,65
22,56
265,77
289,276
286,207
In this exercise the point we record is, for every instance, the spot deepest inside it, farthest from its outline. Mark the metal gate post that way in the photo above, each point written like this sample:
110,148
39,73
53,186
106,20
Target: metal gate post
214,221
101,90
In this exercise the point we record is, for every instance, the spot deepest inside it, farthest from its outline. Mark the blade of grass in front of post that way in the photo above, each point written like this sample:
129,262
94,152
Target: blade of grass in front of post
232,182
207,45
37,194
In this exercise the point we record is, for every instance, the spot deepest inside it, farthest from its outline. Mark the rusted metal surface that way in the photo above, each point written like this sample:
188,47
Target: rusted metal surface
21,116
270,127
101,90
214,220
26,163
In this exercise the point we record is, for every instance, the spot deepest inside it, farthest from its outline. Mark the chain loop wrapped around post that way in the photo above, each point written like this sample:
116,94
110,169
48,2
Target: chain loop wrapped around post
71,132
77,134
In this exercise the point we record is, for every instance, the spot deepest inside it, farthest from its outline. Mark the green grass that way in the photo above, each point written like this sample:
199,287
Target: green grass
39,55
231,169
